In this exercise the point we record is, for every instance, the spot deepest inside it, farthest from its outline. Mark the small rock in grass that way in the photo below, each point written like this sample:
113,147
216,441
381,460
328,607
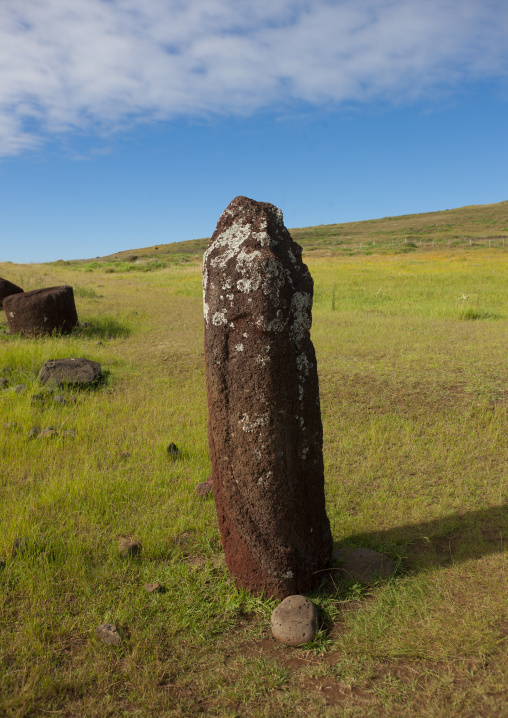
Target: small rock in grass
363,564
49,433
19,388
109,634
73,371
59,399
205,488
294,621
19,546
3,382
37,399
34,432
128,546
173,451
155,588
2,563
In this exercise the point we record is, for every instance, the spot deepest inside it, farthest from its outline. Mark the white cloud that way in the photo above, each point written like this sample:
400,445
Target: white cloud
87,64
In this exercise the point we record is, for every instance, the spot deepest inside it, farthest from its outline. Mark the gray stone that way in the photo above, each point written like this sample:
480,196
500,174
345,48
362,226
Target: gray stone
155,588
49,433
20,388
204,488
363,564
19,546
128,547
34,432
74,372
109,634
294,621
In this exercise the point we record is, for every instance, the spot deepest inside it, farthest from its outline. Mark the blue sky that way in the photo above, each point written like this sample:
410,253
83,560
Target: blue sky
127,123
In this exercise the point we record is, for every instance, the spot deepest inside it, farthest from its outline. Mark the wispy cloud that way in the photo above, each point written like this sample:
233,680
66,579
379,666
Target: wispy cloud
89,65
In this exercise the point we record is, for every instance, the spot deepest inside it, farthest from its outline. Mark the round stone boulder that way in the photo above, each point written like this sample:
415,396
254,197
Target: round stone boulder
294,621
109,634
41,311
6,289
363,564
72,372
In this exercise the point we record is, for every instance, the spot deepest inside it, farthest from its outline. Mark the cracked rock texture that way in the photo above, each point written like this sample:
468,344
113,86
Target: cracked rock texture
264,428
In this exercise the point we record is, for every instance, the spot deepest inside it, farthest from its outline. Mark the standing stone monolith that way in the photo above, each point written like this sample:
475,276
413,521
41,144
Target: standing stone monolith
264,428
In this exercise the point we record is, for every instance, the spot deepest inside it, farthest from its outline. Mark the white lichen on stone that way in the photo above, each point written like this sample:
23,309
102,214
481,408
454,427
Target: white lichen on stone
239,347
265,479
220,318
250,424
305,451
303,364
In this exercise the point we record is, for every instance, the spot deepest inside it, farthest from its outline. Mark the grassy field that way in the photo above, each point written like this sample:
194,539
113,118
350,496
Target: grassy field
412,357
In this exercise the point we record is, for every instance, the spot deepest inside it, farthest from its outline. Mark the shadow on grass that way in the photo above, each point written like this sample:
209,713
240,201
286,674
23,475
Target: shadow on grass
102,327
442,541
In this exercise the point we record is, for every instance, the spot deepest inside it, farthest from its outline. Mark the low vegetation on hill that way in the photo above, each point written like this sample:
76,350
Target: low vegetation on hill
411,347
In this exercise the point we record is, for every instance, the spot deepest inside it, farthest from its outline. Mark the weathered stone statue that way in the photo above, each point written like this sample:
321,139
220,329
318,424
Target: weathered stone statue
264,429
41,311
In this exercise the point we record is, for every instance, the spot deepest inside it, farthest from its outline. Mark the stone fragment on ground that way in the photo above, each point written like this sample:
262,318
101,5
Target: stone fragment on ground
363,564
34,432
59,399
109,634
155,588
49,433
3,382
6,289
20,388
41,311
173,451
71,371
264,422
294,621
128,547
19,546
204,488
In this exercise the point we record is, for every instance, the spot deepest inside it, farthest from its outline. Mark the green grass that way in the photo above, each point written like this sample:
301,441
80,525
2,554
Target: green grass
414,393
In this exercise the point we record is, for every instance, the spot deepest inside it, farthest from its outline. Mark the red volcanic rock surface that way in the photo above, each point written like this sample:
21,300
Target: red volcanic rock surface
41,311
264,429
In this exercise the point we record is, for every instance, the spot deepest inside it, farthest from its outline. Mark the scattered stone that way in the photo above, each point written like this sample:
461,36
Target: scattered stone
109,634
76,372
294,621
37,399
173,451
205,488
129,547
20,388
41,311
19,546
3,563
59,399
363,564
49,433
3,382
265,433
155,588
6,289
34,432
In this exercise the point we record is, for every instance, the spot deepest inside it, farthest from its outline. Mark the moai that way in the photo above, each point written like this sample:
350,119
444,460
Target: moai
264,422
41,311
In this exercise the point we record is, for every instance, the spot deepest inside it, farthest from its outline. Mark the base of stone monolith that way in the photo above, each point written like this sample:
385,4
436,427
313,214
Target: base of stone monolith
41,311
7,288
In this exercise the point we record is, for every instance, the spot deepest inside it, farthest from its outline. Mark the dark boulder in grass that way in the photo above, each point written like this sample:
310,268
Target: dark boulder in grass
6,289
41,311
72,372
